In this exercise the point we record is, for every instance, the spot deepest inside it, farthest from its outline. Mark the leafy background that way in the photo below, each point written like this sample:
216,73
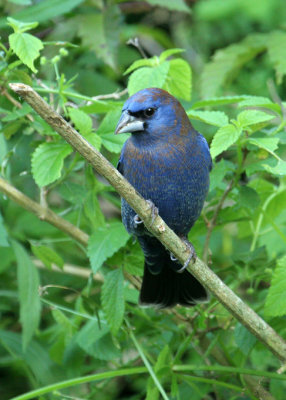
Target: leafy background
225,61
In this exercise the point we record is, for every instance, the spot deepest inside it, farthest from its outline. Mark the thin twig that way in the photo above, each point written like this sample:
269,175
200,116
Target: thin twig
135,42
157,227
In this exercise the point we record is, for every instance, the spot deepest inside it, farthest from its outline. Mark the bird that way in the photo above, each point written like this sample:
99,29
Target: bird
168,162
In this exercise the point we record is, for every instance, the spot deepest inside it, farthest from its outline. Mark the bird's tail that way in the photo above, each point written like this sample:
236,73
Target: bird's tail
168,288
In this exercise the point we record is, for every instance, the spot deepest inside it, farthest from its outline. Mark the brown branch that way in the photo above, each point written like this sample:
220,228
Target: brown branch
158,228
15,102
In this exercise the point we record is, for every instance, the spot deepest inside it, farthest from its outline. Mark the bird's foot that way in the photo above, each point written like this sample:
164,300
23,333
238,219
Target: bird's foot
137,220
192,255
154,210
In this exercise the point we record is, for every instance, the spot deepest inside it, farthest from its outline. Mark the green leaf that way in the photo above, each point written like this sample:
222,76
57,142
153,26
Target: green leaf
266,143
216,118
218,173
161,369
3,234
82,121
44,10
248,198
28,284
48,161
47,256
104,242
279,169
178,5
110,141
143,62
276,300
26,47
224,138
168,53
244,339
257,101
218,101
179,79
112,299
228,60
252,117
277,53
147,77
19,26
100,32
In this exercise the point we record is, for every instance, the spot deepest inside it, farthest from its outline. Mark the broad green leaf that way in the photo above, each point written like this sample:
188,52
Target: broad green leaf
26,47
257,101
106,130
218,173
73,192
144,62
224,138
248,198
3,234
102,107
19,26
244,339
134,260
48,161
28,286
276,300
100,32
266,143
147,77
47,256
104,242
112,299
279,169
93,211
218,101
168,53
277,52
252,117
44,10
228,60
178,5
82,121
18,113
216,118
179,79
161,370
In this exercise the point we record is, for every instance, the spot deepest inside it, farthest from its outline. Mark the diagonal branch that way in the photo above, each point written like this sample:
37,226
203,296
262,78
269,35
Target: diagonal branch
158,228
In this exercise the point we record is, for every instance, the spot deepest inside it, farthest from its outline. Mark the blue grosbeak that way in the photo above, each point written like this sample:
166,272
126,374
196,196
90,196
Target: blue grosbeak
167,162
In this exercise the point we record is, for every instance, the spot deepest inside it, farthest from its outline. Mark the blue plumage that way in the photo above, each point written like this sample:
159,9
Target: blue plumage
168,162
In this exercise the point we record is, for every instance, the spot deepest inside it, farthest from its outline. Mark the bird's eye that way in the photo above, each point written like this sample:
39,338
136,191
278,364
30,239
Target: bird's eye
149,112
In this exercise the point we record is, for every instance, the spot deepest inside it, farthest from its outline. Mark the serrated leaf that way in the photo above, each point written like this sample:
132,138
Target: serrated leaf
252,117
275,305
48,161
170,52
257,101
266,143
218,173
218,101
144,62
179,79
82,121
104,242
216,118
147,77
277,52
47,256
20,26
223,139
3,234
112,299
28,285
279,169
26,47
134,260
178,5
228,60
106,129
100,32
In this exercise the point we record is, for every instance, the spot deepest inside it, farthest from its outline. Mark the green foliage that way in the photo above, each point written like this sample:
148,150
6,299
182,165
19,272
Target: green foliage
225,60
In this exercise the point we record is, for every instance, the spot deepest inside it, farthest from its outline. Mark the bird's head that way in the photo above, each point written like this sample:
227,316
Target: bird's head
152,113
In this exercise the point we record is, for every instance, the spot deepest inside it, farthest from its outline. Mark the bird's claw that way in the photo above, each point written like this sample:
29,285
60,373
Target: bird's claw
192,255
137,220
